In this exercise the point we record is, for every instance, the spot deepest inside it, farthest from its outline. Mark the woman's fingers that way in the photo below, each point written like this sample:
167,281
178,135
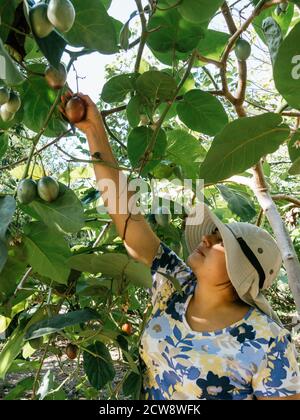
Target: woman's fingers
66,96
86,98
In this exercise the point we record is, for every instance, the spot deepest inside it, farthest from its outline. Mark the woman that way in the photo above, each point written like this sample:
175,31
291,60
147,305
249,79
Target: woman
217,338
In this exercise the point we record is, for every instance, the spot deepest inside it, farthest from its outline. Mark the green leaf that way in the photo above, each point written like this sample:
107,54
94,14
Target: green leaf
295,168
7,210
59,322
202,112
47,251
287,69
156,86
113,265
98,366
106,3
132,386
273,36
93,28
186,151
10,351
3,255
23,366
12,271
213,44
7,13
134,110
65,213
284,20
294,146
241,144
138,141
52,46
138,274
38,99
3,144
19,389
49,389
174,33
118,87
238,203
198,11
8,69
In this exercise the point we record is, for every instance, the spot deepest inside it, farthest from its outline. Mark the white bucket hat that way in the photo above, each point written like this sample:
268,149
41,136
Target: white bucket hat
253,258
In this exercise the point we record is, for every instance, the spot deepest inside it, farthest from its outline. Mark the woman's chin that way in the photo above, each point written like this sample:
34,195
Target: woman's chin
194,260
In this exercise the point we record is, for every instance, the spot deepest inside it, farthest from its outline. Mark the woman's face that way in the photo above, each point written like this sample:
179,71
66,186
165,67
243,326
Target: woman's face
208,260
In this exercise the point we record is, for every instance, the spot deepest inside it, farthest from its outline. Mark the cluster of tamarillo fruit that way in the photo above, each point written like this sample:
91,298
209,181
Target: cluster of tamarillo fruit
10,103
58,14
44,18
47,188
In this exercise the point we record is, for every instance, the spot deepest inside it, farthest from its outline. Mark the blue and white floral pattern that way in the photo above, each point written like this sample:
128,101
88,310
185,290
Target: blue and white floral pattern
252,358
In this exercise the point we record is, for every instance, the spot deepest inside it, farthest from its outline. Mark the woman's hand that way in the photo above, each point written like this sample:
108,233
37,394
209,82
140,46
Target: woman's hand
93,119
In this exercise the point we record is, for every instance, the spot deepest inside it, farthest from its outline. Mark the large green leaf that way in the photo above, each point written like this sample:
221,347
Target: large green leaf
198,11
3,255
106,3
283,20
138,141
47,251
21,387
3,144
59,322
7,13
98,365
273,36
66,213
38,99
93,28
7,210
10,351
174,33
185,150
238,203
287,68
294,152
52,46
8,69
113,265
295,168
213,44
118,87
13,270
132,385
241,144
156,86
294,146
202,112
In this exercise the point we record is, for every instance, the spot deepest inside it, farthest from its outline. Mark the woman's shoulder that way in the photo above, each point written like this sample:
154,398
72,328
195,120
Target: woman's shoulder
266,327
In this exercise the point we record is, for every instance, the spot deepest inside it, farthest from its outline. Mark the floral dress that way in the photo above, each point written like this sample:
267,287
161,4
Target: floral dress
252,358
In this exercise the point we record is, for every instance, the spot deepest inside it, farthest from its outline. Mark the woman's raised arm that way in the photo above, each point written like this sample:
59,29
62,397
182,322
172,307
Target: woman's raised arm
140,240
